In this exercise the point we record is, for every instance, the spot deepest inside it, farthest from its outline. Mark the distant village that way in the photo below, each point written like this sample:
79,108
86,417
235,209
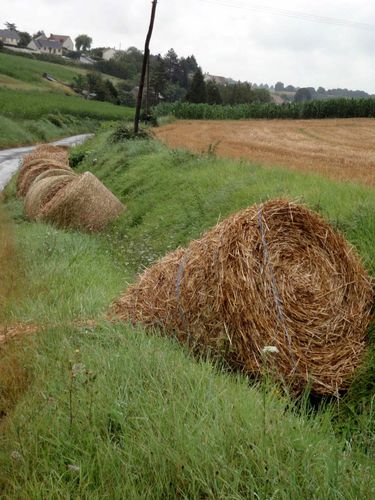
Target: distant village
63,46
56,45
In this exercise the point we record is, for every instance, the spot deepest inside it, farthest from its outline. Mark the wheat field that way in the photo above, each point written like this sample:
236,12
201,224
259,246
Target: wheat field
342,149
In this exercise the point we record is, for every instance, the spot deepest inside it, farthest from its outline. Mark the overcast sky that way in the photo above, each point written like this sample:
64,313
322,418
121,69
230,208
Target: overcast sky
243,39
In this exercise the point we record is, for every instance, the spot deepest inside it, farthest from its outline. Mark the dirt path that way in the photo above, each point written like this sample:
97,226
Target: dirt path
341,149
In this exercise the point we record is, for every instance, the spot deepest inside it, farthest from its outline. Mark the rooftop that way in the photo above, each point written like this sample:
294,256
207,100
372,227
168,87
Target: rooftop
9,34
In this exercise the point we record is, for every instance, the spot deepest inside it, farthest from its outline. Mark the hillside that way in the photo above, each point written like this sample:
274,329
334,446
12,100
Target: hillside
33,109
23,73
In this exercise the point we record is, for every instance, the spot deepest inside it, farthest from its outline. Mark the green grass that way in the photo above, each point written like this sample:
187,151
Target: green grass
34,105
35,110
46,129
109,411
172,196
31,70
114,413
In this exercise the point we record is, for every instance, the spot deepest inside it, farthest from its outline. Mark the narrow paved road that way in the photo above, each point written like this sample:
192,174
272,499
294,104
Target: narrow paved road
10,158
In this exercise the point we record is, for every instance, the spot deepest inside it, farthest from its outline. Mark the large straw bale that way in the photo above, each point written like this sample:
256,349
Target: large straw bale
53,172
26,177
274,275
47,151
85,203
47,154
43,190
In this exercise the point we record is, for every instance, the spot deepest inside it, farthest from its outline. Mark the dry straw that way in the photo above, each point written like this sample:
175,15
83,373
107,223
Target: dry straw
274,274
44,152
47,151
26,177
43,189
85,203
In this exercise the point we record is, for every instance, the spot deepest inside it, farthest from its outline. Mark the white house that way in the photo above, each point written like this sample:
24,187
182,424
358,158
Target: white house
9,37
44,46
108,54
65,41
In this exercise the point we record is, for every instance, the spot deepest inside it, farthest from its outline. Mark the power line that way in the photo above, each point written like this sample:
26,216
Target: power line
303,16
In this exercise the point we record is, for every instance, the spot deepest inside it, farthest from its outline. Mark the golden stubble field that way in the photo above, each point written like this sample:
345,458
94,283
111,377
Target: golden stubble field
342,149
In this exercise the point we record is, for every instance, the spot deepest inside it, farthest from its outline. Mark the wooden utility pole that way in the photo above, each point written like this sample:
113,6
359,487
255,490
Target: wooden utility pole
146,56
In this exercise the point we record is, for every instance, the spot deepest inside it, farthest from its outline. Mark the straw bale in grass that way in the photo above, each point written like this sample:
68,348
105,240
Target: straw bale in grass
26,177
85,203
43,190
53,172
271,287
47,151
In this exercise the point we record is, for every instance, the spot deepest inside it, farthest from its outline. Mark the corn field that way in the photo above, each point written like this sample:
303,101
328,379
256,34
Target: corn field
333,108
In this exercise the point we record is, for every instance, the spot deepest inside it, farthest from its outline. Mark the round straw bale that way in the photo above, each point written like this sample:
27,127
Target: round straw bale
43,190
84,204
271,287
47,151
27,176
53,172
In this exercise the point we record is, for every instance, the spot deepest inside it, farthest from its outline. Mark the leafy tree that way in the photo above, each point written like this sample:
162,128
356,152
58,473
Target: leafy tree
79,82
173,92
83,42
321,90
189,64
173,69
125,96
130,62
279,86
302,95
239,93
197,92
158,79
97,52
38,34
111,92
11,26
261,95
290,88
25,39
213,93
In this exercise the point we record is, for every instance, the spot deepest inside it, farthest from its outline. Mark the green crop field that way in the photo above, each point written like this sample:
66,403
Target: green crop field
101,410
23,69
33,109
34,105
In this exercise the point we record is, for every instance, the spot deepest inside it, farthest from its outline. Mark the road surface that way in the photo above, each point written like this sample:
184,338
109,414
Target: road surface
10,158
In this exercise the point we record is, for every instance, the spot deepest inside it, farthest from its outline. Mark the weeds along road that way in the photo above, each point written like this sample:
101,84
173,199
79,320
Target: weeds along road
10,158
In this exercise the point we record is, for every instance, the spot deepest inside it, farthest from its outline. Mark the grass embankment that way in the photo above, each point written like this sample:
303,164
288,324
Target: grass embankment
113,412
35,110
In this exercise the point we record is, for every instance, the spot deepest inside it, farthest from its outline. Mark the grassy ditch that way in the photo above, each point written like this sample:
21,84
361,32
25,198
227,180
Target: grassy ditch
111,411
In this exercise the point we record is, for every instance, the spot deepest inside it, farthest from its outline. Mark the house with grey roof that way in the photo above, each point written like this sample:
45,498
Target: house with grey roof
9,37
65,41
43,45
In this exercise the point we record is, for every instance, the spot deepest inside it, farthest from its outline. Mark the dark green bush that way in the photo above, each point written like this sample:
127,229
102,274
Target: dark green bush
125,133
